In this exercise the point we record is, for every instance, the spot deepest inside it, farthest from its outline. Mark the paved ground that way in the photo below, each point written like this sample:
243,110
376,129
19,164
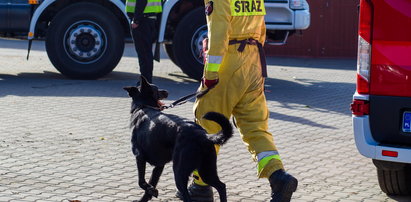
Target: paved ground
64,139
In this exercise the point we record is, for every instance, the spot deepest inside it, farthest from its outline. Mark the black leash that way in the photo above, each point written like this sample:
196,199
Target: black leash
184,99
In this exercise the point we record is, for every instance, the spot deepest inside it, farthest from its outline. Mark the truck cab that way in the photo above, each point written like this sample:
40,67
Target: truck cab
85,38
381,108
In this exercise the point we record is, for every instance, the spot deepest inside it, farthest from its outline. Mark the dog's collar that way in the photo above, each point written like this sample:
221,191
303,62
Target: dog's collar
145,106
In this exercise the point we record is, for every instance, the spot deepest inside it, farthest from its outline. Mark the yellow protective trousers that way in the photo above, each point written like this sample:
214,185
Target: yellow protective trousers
240,92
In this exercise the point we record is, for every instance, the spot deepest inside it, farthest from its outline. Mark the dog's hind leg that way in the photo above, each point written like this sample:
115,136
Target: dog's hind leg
181,174
208,172
221,188
217,184
181,183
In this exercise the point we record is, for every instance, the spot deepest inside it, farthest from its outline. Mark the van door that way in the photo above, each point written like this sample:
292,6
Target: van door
391,49
390,76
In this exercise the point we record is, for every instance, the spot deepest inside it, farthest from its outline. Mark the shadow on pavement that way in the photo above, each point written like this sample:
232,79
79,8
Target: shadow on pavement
341,64
333,97
329,97
297,119
54,84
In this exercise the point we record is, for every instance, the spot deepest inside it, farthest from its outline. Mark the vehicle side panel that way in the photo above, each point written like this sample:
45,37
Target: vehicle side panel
4,14
14,15
391,48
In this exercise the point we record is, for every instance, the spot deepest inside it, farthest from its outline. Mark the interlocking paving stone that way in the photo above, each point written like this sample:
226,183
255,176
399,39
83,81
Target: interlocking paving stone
63,139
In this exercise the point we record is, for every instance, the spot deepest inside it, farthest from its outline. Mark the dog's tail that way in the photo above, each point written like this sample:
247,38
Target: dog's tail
227,129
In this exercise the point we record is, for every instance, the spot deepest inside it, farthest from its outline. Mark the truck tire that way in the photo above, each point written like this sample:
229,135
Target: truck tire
394,178
170,52
187,43
85,41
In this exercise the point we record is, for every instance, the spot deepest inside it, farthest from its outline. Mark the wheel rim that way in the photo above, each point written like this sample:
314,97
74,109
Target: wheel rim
197,43
85,42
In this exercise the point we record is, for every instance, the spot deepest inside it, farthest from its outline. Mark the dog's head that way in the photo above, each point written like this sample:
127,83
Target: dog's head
146,94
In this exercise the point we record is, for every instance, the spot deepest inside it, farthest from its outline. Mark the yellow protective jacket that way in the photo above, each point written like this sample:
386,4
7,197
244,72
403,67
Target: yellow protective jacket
240,89
226,20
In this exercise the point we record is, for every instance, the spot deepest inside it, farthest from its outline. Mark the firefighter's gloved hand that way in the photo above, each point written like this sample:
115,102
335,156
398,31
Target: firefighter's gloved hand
210,79
209,83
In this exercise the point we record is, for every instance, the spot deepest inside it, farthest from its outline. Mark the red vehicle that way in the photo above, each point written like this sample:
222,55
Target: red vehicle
381,106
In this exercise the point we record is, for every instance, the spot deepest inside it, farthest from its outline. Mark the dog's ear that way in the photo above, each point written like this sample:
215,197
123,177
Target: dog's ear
132,91
145,85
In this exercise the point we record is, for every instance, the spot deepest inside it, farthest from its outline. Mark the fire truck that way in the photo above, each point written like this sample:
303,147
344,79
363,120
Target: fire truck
85,39
381,105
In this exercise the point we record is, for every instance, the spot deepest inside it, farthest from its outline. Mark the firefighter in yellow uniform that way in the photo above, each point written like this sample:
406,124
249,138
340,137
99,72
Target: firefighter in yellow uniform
235,69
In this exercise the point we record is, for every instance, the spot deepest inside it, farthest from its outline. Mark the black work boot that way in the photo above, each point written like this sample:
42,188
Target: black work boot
198,193
282,186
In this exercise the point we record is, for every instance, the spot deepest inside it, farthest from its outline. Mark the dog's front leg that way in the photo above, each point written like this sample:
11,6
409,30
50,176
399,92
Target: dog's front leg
155,177
141,168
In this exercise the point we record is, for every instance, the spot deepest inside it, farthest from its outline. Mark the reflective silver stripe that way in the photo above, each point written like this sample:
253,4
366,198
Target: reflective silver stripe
133,4
266,154
153,4
214,59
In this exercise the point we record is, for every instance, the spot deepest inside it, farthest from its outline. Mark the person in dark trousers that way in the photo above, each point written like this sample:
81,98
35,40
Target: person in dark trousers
143,16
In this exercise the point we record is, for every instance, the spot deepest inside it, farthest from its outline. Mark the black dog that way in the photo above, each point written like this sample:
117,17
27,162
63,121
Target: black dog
158,138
